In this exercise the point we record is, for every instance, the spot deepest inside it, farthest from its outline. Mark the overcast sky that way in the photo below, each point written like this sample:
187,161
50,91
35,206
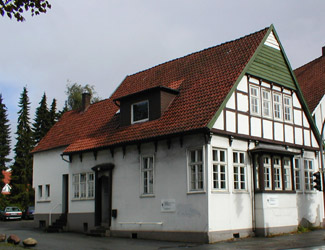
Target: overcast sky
99,42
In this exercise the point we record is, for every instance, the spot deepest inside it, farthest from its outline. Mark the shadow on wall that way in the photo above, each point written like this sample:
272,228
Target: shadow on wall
308,210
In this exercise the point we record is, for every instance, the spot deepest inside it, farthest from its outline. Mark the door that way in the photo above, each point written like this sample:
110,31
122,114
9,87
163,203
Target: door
65,193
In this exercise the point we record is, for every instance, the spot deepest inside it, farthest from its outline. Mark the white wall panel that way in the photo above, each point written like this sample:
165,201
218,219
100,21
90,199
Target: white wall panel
242,85
231,102
288,130
242,102
230,121
256,127
297,117
268,129
219,124
278,131
307,137
298,136
243,125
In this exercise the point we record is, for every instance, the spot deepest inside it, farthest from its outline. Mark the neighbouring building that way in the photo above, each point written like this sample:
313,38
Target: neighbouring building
214,145
6,181
311,78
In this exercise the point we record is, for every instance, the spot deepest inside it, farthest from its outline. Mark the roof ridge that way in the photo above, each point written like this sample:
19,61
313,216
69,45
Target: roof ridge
309,63
197,52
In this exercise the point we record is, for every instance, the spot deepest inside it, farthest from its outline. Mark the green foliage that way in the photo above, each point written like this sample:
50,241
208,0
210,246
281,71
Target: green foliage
22,169
42,120
15,8
74,92
53,114
4,137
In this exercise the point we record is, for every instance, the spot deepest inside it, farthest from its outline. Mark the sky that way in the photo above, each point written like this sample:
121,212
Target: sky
100,42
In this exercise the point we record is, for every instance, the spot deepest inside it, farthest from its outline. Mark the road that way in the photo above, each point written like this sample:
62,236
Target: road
53,241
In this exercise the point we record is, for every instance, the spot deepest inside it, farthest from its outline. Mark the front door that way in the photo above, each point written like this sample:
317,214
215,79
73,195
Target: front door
103,194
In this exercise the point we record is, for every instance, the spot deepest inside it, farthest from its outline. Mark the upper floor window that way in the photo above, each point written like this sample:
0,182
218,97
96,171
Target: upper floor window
140,112
195,169
255,100
147,173
239,171
219,169
287,104
266,100
277,106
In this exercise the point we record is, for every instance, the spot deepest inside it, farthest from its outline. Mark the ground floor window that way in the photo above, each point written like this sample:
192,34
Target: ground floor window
195,169
83,185
219,164
308,171
239,170
147,173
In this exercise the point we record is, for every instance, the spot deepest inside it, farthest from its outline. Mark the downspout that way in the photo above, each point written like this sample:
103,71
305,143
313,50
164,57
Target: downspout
253,191
321,146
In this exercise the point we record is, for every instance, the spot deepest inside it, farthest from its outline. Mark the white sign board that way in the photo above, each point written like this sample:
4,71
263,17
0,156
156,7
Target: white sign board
168,205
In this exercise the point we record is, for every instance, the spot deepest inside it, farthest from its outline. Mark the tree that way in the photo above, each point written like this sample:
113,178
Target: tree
22,170
42,120
53,114
74,92
14,8
4,138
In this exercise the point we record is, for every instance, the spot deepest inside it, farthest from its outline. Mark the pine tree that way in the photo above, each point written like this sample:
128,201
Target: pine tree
22,169
4,138
53,114
42,122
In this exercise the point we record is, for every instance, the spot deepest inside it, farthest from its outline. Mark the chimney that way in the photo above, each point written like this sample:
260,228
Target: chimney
323,50
85,101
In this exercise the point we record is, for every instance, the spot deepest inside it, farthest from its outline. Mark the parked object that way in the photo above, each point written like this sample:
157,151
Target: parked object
11,213
3,237
29,213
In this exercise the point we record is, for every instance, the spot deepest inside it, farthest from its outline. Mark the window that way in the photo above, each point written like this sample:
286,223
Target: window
277,173
287,173
267,173
297,174
83,185
308,169
255,100
277,106
239,171
219,169
47,191
287,104
195,165
140,112
91,185
40,191
147,169
266,99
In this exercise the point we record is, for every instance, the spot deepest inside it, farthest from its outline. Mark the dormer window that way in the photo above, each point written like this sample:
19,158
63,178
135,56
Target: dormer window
140,111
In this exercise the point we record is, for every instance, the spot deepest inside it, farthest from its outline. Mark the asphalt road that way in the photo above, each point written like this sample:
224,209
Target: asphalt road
314,240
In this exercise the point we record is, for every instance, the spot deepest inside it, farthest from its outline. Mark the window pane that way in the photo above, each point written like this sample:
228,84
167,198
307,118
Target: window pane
140,111
222,156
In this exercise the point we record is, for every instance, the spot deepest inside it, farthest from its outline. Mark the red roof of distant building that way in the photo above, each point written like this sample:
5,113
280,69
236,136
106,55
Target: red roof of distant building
203,80
7,175
311,78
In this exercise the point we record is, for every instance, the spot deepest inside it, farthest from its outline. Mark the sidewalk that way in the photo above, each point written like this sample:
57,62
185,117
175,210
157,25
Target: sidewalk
74,241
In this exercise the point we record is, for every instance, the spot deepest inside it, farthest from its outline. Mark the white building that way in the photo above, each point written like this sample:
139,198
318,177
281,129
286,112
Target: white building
214,145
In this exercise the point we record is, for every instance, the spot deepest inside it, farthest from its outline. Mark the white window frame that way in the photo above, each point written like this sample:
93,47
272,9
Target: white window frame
267,171
254,100
287,173
277,173
40,191
239,171
287,108
297,171
132,114
47,191
267,103
277,103
147,175
81,184
308,174
193,171
219,169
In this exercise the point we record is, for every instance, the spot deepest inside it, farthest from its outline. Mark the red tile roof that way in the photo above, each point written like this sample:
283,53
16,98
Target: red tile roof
6,175
311,78
203,79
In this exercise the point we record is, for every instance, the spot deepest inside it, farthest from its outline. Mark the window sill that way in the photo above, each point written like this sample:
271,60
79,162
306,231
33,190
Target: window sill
147,196
240,191
196,192
216,191
82,199
43,201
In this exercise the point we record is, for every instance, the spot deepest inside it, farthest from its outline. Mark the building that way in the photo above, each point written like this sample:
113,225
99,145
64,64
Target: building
6,181
311,78
215,145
